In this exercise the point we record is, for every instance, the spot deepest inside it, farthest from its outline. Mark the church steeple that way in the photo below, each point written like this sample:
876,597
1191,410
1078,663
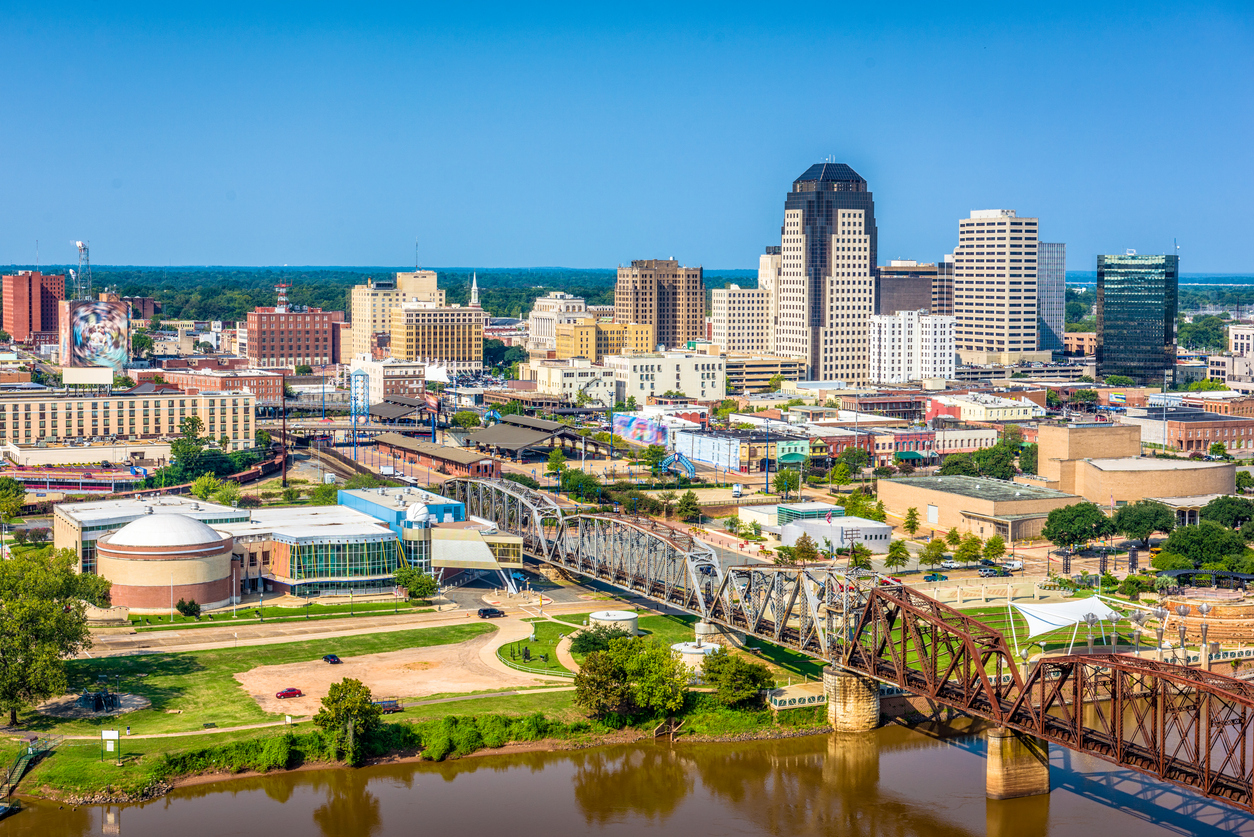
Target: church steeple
474,290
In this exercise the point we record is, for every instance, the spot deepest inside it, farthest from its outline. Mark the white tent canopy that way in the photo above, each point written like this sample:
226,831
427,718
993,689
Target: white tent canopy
1043,618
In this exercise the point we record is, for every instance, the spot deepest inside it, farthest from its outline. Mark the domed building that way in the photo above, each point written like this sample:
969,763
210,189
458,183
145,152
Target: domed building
158,558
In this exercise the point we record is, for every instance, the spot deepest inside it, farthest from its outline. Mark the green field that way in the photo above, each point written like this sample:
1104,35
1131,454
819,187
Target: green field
202,685
247,614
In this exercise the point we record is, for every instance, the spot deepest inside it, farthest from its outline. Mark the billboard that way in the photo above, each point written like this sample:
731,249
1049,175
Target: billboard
94,333
1118,398
639,430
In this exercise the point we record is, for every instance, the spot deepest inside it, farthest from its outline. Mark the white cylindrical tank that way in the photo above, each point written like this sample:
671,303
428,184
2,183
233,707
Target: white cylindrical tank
693,654
622,619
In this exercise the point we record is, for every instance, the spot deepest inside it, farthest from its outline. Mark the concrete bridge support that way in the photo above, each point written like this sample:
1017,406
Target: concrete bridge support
1018,764
853,700
711,632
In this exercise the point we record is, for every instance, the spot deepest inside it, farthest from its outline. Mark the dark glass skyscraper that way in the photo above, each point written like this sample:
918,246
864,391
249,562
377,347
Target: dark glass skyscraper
1136,316
1051,296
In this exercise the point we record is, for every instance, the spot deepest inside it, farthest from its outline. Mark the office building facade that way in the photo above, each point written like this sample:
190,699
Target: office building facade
449,336
285,336
587,338
995,288
660,293
904,285
911,346
371,304
1051,294
741,319
31,302
943,287
1137,299
826,287
547,313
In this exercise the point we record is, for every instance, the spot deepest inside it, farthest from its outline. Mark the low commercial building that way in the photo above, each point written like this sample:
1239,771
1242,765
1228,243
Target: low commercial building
980,505
1079,343
1190,429
964,439
392,376
982,407
264,385
459,462
696,376
567,379
841,533
741,451
753,372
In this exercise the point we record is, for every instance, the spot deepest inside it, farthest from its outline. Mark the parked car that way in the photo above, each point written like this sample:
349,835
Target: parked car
949,564
1016,564
984,562
332,659
490,613
288,693
935,577
993,572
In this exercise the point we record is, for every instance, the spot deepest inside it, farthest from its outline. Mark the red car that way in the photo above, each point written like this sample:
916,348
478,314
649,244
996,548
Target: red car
288,693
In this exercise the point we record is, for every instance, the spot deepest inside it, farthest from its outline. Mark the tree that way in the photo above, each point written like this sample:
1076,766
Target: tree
123,382
1084,379
1143,518
998,461
291,494
1084,396
601,686
773,383
1208,385
994,548
42,600
1119,381
854,458
1077,524
958,465
1206,543
653,456
933,552
304,369
840,474
556,463
1232,512
785,481
205,485
327,494
416,583
262,439
1052,400
805,550
12,498
466,419
348,715
689,508
1028,458
859,557
1244,481
898,555
732,525
953,538
969,549
736,681
667,499
228,493
141,344
1217,449
911,522
5,337
191,427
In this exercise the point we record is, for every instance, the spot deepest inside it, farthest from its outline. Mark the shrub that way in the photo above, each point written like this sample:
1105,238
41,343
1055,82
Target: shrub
522,479
291,495
249,501
40,535
597,638
191,610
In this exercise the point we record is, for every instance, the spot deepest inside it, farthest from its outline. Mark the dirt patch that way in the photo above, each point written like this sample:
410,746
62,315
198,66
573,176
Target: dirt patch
416,672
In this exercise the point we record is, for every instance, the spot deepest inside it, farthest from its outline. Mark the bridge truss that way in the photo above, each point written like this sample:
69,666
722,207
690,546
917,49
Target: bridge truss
1188,727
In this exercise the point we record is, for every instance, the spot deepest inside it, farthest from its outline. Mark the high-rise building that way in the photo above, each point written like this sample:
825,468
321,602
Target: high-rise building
1136,316
995,288
943,287
1051,295
911,346
770,265
904,285
30,304
371,304
827,274
547,313
660,293
590,339
450,336
741,319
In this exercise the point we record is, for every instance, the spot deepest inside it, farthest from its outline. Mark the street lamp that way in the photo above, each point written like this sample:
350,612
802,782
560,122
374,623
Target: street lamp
1160,613
1203,609
1183,611
1138,620
1091,619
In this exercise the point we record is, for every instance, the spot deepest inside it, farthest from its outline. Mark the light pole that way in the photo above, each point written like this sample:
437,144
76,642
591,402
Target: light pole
1183,611
1091,619
1160,613
1138,620
1203,609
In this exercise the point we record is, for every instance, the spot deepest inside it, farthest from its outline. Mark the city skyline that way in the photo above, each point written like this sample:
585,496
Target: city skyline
337,137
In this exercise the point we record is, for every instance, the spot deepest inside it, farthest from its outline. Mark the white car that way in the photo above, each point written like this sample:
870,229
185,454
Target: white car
949,564
1013,565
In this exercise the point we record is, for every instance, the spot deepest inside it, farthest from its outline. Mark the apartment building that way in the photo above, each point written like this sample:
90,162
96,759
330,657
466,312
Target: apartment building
995,289
31,303
741,319
910,346
547,313
59,416
696,376
826,283
289,336
371,304
450,335
660,293
588,338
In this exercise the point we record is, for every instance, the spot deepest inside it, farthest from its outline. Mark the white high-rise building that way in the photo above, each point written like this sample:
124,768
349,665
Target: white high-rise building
547,313
741,319
911,346
995,288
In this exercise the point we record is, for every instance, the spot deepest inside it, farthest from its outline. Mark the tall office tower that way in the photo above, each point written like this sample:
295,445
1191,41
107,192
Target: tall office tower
910,346
904,285
943,287
30,304
995,288
826,284
741,318
660,293
450,336
371,304
1136,316
1051,295
770,265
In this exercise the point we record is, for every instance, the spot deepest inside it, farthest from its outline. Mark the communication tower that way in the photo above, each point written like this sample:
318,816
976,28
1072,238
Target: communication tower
280,306
82,279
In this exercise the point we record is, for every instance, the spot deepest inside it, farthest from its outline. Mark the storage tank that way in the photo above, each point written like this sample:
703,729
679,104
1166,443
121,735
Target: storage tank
693,654
622,619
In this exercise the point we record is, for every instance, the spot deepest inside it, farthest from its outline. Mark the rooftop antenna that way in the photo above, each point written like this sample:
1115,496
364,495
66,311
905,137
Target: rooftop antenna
82,280
37,255
280,306
415,254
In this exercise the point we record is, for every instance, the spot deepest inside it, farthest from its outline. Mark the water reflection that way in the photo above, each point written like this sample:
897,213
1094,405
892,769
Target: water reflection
649,782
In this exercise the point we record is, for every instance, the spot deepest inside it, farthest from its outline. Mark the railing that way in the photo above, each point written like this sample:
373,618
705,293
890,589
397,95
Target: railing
531,670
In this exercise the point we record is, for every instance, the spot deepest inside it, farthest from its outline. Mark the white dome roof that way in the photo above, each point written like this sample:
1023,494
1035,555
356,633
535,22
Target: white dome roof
165,530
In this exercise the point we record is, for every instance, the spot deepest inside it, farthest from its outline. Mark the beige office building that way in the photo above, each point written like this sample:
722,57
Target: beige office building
742,319
372,304
449,335
590,339
547,313
660,293
995,289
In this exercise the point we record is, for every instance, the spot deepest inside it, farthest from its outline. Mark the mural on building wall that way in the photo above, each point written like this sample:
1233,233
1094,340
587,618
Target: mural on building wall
640,430
94,333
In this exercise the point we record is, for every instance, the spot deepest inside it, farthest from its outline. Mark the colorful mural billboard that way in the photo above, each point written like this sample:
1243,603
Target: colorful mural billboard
639,430
94,333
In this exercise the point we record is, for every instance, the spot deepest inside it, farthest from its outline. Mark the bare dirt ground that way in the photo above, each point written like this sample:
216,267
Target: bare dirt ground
416,672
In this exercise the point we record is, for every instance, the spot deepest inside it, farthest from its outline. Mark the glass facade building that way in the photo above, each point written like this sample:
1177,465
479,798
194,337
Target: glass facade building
1051,292
1137,299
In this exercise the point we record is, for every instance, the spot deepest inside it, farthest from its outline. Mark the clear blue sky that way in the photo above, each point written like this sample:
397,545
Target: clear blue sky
590,134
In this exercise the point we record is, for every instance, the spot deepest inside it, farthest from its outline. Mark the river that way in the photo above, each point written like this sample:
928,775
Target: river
895,781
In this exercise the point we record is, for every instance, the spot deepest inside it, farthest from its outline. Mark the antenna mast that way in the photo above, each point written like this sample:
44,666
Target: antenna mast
82,279
280,306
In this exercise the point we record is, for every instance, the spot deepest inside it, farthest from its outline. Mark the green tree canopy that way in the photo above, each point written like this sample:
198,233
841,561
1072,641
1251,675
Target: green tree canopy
653,456
205,485
415,582
1208,542
959,465
1232,512
1119,381
1084,396
689,507
348,714
1245,481
953,538
805,550
1028,458
933,552
1077,524
632,677
898,555
854,458
786,481
736,681
466,419
994,548
12,497
911,522
969,550
556,463
1143,518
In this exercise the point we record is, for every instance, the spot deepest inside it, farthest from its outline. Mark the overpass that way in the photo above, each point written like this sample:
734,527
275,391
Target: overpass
1181,725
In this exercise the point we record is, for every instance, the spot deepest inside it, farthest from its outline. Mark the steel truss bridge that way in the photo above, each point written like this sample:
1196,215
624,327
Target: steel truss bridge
1189,727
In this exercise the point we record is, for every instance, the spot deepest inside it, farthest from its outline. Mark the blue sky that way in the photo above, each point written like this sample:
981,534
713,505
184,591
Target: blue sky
588,135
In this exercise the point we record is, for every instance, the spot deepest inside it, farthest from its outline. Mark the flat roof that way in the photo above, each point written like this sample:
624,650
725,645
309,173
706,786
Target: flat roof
807,506
308,523
398,498
121,512
1188,502
1149,463
983,488
448,454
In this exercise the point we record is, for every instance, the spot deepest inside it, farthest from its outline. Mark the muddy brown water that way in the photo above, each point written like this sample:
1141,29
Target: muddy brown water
895,781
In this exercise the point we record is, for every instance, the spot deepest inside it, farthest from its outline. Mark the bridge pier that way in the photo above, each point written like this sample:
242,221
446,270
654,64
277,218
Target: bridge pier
1018,764
712,632
853,701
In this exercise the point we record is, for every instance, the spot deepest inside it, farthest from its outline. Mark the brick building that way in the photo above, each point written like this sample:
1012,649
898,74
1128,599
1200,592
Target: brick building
266,386
1079,342
660,293
286,337
30,304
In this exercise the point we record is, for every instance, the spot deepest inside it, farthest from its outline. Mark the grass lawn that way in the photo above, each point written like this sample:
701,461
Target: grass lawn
249,614
997,619
548,634
554,704
202,683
